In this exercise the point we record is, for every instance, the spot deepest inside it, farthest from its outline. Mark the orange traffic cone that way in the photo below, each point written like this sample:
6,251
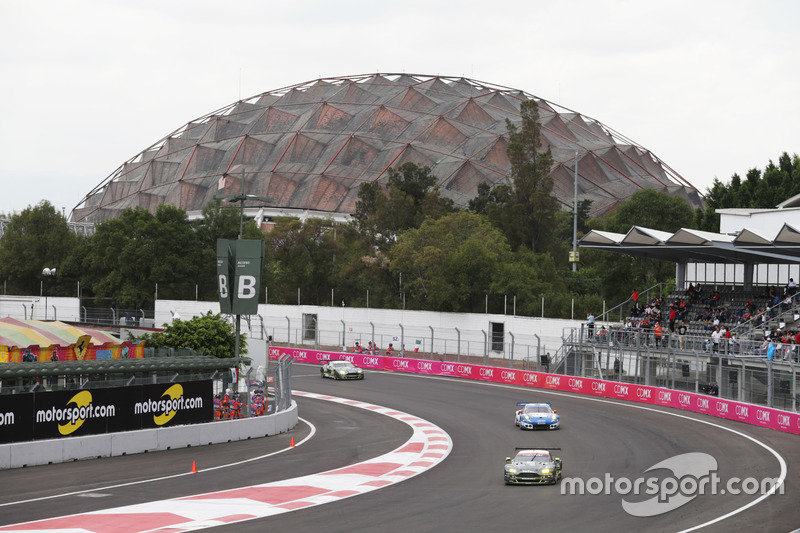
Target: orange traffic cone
291,445
194,467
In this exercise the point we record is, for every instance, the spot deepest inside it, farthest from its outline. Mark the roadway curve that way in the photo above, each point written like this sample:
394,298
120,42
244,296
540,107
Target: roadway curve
466,491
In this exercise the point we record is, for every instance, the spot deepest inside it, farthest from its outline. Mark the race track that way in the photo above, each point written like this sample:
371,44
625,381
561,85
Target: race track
466,491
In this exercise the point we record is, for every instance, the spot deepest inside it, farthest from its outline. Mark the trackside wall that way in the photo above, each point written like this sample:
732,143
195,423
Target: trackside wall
42,452
776,419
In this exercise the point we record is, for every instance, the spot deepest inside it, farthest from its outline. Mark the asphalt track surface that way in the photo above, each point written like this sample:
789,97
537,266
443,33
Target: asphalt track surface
464,493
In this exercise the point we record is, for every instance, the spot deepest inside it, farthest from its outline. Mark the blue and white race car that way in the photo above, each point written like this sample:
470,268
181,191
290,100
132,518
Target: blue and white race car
536,416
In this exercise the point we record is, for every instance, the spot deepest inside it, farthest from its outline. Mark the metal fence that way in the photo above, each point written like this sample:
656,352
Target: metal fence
741,369
500,347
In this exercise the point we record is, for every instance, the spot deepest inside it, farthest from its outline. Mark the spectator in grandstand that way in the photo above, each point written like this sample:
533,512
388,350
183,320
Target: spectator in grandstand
791,287
673,315
713,324
590,325
771,349
715,298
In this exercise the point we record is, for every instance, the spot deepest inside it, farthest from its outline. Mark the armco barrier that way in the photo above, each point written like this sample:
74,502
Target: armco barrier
688,401
40,452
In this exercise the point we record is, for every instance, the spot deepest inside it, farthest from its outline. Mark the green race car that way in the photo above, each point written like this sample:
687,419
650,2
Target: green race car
533,466
341,370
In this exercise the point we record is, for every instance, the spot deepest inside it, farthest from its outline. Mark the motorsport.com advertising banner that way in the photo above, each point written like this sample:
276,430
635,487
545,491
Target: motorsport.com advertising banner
68,413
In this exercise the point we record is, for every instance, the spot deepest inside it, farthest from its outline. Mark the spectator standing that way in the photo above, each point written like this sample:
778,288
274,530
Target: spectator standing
716,335
657,333
682,334
590,325
771,349
791,287
635,297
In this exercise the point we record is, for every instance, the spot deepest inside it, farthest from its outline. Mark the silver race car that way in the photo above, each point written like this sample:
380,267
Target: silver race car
533,466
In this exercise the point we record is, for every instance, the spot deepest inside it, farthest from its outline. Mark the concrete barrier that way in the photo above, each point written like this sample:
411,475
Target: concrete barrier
42,452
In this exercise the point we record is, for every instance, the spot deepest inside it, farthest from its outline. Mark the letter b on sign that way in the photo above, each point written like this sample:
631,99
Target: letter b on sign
247,287
223,286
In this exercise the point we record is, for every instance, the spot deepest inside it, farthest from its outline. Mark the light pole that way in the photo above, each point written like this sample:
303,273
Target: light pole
47,273
575,220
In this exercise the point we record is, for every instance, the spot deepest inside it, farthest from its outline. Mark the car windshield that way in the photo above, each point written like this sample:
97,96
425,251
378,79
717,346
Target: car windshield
341,365
538,457
537,409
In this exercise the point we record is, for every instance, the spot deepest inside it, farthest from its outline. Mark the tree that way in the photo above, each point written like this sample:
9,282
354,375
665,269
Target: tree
524,210
411,196
205,334
652,209
218,222
35,239
450,264
301,255
129,255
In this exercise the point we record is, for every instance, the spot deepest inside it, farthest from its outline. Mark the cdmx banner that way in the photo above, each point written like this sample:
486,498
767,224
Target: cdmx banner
239,265
72,413
81,350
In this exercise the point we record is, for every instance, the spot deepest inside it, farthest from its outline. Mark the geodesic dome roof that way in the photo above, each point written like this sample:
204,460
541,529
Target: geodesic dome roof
310,146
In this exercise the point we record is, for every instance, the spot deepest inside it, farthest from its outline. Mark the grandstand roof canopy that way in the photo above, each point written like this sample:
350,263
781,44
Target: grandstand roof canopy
311,146
699,246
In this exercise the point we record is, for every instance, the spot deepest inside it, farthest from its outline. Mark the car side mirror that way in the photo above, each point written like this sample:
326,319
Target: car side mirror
508,459
555,410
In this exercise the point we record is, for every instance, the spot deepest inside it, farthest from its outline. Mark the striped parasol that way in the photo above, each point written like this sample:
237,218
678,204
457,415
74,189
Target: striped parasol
14,332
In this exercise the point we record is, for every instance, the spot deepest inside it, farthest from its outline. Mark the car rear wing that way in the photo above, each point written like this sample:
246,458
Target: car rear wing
533,403
534,448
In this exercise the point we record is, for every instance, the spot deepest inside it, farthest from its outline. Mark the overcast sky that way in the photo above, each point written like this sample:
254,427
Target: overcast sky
711,87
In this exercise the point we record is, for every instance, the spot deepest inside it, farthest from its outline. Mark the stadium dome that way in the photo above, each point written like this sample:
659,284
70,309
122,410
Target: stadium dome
310,146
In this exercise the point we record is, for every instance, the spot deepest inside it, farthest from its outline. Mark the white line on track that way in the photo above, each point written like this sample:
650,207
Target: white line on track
777,456
172,476
427,447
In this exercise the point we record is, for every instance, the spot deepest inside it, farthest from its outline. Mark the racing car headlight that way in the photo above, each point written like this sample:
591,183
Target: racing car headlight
342,372
526,417
554,417
545,470
512,470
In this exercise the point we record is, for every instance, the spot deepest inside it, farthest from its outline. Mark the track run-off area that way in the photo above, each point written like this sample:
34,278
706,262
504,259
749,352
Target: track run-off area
399,452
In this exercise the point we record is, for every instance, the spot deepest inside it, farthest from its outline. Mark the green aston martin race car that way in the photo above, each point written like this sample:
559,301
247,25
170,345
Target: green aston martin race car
533,466
341,369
